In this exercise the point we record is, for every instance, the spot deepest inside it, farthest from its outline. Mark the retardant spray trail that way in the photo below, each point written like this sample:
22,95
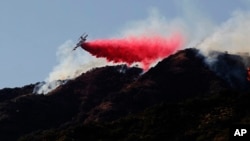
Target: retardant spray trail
145,49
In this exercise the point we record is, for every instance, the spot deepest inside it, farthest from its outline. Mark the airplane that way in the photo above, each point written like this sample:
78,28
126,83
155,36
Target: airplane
82,39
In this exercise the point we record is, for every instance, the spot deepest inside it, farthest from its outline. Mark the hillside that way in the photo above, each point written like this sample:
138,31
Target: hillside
181,98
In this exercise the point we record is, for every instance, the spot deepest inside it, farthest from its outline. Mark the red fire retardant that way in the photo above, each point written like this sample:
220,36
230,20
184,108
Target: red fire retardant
144,49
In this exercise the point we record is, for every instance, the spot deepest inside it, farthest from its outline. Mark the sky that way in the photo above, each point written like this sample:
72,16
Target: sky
32,30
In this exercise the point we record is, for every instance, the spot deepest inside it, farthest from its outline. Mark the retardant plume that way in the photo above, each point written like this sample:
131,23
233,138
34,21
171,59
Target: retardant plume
143,49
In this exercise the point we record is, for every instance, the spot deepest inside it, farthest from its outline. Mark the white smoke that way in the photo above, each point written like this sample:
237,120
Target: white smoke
192,25
232,36
70,65
155,23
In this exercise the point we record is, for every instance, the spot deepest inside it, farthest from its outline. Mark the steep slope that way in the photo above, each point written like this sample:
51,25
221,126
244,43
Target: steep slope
181,98
177,77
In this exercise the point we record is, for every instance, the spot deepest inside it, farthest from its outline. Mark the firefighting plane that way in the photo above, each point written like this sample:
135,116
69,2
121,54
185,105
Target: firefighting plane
82,39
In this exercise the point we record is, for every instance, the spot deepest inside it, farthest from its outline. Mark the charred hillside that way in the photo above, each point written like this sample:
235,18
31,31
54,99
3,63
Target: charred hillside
181,98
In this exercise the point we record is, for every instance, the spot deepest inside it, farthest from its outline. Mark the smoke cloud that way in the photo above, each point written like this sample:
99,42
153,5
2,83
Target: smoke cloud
70,65
227,50
231,36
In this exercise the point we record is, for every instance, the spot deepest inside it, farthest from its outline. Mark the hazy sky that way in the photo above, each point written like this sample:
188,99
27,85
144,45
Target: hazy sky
32,30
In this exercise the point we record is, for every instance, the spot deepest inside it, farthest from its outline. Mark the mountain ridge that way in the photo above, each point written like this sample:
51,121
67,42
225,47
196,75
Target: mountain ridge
174,99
